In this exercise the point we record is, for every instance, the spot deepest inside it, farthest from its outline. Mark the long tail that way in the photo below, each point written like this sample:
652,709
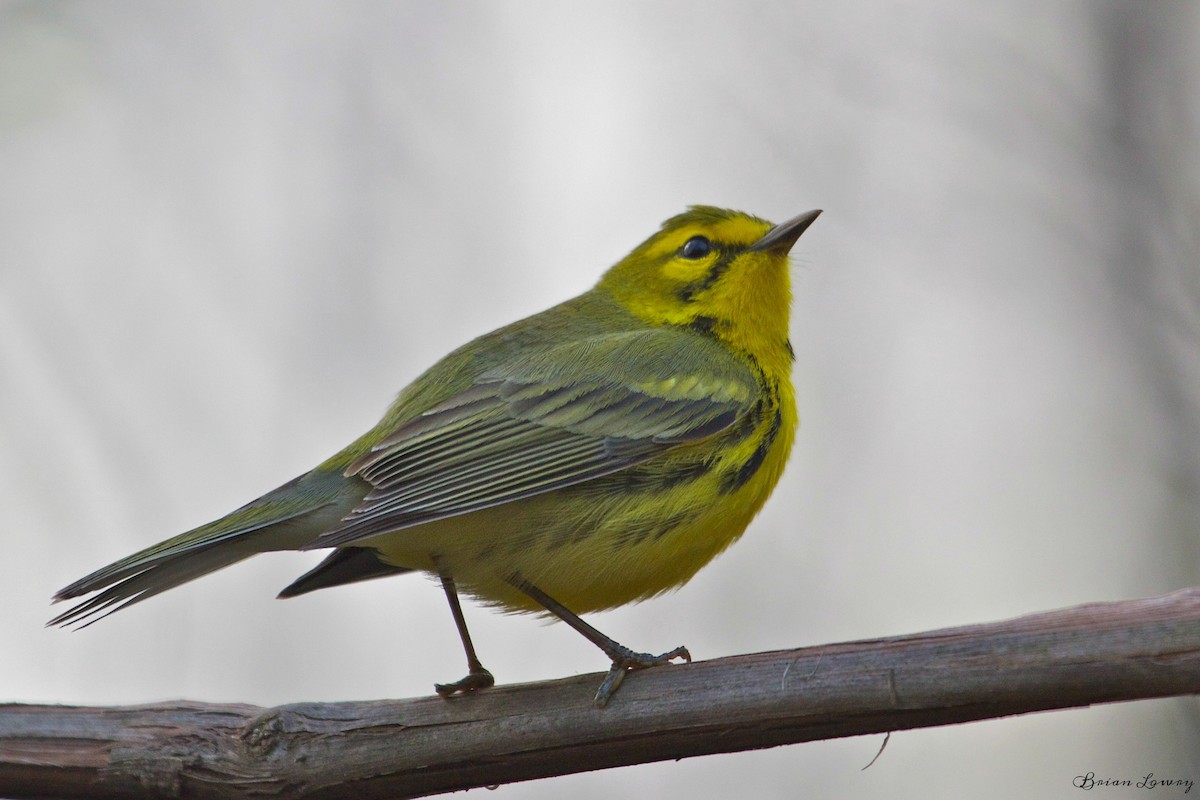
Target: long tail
284,519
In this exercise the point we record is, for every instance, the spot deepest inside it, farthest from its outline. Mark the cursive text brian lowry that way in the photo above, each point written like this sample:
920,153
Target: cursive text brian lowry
1090,781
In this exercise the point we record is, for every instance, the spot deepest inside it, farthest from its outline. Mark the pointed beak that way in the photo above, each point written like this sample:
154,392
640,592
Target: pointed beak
781,238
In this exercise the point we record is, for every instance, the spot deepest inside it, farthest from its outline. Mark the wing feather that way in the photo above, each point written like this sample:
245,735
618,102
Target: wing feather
548,423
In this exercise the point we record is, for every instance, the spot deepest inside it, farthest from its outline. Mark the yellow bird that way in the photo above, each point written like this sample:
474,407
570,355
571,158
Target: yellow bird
593,455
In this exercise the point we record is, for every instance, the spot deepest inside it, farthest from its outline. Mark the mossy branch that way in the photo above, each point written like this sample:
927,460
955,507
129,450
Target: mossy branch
1095,653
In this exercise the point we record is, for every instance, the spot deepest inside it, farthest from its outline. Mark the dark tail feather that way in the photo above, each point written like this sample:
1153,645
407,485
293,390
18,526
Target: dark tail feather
284,519
158,576
347,565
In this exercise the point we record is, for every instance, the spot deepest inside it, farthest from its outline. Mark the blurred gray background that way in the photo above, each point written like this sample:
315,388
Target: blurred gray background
230,231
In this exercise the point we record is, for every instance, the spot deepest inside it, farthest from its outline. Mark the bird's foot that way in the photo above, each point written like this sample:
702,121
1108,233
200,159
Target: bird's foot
475,680
624,661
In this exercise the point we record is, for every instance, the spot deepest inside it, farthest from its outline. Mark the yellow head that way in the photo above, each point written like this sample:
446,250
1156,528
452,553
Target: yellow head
723,272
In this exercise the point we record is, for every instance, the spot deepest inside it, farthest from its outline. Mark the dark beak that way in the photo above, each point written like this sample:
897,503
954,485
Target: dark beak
781,238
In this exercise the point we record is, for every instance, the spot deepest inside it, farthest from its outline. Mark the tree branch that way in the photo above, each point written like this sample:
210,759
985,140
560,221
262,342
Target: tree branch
1094,653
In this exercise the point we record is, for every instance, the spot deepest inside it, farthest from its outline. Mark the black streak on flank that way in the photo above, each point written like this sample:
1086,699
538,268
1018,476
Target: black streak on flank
652,530
644,479
703,325
653,479
745,472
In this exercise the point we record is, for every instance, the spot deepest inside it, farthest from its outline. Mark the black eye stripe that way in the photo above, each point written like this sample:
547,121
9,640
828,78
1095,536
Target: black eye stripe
689,290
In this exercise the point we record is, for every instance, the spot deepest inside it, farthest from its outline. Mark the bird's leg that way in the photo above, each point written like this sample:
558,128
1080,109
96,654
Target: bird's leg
623,659
477,677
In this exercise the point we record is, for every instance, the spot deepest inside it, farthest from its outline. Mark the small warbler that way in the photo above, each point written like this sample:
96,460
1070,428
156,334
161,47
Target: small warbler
595,454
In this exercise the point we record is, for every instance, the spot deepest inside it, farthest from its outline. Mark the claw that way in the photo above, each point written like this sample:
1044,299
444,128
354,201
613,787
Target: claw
474,681
625,661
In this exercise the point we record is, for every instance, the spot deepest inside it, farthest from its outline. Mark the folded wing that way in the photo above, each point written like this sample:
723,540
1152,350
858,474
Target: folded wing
574,413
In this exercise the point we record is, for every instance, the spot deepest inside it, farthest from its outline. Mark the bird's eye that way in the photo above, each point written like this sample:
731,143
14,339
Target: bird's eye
696,247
